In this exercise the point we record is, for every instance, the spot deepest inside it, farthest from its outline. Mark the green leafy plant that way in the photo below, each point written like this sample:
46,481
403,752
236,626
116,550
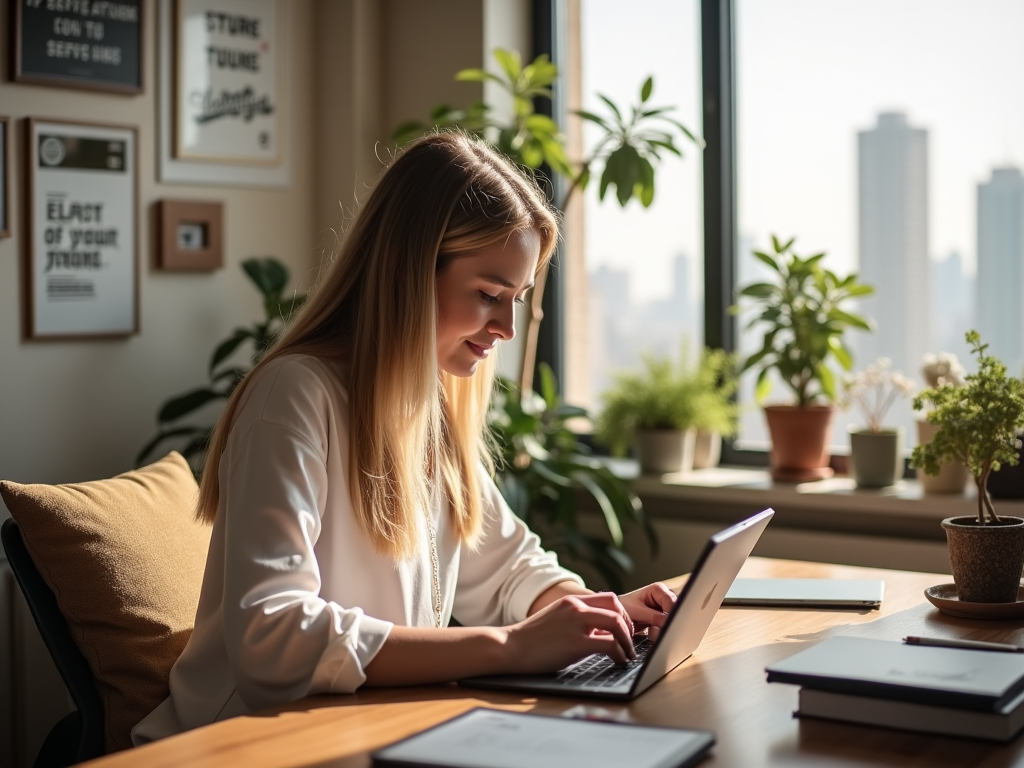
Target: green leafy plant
543,468
270,277
669,395
978,423
633,142
802,316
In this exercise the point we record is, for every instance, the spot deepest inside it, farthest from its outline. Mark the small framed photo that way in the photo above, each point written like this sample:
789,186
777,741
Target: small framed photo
82,279
72,44
5,173
190,236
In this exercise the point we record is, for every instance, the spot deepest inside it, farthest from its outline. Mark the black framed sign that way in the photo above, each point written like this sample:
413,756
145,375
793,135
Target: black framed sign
82,274
5,188
94,44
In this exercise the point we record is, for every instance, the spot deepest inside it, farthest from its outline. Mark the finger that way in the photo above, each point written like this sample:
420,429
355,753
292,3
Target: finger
607,645
609,601
653,633
662,596
614,624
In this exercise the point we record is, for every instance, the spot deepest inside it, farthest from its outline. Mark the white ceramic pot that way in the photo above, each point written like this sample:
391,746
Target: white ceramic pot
707,449
661,451
952,478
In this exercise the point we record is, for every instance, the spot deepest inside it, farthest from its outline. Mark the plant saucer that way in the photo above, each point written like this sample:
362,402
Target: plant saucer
944,597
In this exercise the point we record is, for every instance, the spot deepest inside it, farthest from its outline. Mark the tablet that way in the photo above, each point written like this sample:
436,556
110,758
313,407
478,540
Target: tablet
493,738
807,593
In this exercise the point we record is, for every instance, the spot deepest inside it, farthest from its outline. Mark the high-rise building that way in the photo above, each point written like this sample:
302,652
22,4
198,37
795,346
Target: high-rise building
952,305
893,241
1000,296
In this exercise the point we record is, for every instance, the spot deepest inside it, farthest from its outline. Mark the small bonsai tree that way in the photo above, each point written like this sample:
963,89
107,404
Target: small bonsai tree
803,321
978,424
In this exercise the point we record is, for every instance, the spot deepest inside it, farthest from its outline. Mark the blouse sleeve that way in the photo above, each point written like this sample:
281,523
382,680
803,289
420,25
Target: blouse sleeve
283,640
499,581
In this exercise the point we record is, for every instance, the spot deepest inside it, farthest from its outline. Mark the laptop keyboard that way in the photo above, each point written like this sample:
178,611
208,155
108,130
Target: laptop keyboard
599,671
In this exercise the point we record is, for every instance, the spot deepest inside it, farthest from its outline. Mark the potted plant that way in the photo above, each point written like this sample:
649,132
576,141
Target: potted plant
952,477
978,424
652,410
717,413
876,451
801,312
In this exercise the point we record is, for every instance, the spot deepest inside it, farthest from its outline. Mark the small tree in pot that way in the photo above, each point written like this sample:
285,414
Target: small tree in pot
802,316
978,425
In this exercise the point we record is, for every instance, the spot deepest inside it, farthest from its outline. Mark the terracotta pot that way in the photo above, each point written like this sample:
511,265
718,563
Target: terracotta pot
952,477
800,441
986,559
876,458
707,450
660,451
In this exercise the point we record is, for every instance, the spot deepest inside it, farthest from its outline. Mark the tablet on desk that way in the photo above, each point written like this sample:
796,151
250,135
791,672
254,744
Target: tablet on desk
807,593
491,738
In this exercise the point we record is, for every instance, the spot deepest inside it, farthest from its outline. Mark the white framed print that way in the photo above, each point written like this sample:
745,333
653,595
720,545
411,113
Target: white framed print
227,81
82,275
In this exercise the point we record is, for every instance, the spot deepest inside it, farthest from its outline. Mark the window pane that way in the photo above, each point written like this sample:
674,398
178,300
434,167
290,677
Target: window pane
885,133
644,267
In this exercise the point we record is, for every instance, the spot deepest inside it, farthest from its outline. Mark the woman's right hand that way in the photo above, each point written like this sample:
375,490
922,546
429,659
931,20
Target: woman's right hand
569,629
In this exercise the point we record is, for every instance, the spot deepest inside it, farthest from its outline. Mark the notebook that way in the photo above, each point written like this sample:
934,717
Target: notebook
807,593
492,738
597,676
982,681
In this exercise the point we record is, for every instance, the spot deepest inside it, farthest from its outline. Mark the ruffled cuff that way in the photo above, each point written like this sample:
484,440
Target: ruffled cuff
340,669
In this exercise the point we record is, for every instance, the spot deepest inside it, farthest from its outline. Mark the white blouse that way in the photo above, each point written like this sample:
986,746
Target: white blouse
295,599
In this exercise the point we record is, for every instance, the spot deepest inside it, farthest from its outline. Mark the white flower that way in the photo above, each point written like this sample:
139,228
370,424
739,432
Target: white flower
942,369
875,390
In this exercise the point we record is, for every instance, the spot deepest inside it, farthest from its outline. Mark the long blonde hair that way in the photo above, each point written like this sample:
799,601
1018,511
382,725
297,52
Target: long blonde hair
444,196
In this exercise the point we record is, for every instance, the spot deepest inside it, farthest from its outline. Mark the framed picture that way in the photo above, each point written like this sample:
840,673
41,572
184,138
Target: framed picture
82,250
96,45
5,183
227,81
191,235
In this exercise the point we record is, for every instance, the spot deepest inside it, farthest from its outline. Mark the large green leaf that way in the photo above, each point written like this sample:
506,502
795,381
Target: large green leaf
268,274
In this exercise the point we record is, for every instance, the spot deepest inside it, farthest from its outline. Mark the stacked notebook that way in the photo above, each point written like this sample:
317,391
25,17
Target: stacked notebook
952,691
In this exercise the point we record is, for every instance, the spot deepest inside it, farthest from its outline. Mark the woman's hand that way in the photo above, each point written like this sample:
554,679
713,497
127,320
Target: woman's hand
569,629
648,607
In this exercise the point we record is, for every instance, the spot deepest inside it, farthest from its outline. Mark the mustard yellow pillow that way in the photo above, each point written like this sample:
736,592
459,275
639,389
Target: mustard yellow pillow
125,559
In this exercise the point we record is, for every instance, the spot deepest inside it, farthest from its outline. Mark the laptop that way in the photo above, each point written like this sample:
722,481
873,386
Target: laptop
807,593
599,677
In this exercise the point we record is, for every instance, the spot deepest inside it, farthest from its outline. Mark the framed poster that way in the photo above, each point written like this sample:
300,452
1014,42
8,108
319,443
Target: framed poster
226,81
82,248
5,182
78,44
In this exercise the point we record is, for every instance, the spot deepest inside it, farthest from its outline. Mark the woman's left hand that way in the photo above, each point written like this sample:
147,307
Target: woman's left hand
649,606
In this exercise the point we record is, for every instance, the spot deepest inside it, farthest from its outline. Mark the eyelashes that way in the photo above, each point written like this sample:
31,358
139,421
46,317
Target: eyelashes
488,299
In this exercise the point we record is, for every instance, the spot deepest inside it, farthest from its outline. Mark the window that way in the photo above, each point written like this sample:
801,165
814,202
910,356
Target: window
643,268
885,132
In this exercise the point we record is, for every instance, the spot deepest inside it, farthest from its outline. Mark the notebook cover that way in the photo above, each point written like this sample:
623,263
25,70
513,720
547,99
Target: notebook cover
945,677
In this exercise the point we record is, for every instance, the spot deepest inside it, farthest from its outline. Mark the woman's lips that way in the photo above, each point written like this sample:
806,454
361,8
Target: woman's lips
477,350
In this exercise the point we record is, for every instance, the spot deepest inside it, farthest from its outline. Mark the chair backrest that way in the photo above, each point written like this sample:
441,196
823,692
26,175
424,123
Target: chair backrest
88,742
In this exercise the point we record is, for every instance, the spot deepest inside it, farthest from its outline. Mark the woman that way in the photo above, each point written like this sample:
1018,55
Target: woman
348,479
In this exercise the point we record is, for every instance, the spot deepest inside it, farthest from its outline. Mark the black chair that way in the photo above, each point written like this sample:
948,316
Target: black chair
79,735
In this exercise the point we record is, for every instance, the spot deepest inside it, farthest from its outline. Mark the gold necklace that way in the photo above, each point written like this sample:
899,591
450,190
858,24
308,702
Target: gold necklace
435,568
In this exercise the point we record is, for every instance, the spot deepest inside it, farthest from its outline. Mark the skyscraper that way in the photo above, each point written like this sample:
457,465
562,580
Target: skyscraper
1000,297
893,241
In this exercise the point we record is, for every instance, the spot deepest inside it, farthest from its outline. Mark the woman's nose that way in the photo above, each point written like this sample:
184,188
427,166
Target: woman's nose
503,322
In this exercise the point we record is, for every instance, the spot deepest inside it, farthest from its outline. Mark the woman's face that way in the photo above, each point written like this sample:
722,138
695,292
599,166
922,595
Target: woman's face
477,295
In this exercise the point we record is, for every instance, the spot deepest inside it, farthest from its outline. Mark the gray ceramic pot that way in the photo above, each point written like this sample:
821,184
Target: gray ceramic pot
707,449
986,559
876,458
661,451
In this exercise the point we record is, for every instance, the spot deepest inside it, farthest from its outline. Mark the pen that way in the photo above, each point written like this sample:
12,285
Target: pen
977,645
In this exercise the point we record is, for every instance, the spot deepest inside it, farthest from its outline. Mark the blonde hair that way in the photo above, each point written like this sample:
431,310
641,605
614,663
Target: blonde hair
444,196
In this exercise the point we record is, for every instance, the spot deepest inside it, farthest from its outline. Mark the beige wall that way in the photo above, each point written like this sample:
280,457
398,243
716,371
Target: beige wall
72,411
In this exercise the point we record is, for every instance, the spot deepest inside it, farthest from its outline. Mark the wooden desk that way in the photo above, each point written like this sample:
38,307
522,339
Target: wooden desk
721,688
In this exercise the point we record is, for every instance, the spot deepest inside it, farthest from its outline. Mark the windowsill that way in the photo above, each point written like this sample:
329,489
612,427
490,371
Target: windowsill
725,494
